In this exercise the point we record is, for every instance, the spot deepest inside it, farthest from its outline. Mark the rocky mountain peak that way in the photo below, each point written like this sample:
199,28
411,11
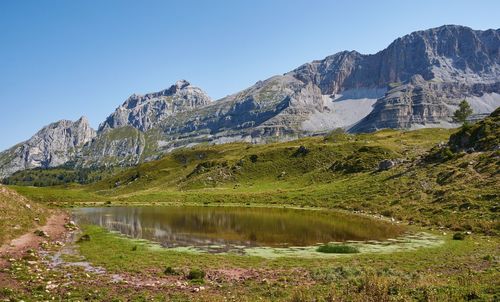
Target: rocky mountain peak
54,145
145,111
181,84
449,53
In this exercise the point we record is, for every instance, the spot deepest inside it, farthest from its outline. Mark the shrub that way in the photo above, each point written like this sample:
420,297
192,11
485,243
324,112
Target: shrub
196,274
253,158
170,271
488,258
337,249
301,151
387,213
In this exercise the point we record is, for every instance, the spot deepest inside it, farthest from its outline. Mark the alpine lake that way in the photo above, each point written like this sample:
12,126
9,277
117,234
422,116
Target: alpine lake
258,231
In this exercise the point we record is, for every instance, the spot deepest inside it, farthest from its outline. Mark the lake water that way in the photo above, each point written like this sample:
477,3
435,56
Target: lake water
219,229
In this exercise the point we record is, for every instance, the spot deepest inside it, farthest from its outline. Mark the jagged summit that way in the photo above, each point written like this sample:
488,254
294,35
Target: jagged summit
180,84
145,111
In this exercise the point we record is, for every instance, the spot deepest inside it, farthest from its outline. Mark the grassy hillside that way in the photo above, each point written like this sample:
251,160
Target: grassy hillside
434,185
18,214
336,171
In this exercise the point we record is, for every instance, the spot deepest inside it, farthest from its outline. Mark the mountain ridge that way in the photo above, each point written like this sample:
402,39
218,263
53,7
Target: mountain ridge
415,82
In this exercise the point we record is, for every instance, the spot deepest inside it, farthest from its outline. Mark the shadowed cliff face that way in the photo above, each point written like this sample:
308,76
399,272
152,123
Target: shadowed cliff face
416,82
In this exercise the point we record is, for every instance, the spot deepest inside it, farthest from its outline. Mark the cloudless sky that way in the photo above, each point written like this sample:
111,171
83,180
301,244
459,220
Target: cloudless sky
61,59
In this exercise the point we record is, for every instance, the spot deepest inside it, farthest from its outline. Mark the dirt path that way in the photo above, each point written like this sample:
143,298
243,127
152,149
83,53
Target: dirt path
17,247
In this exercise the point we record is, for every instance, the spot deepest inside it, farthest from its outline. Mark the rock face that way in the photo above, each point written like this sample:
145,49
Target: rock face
449,53
145,111
122,146
421,103
417,81
429,72
52,146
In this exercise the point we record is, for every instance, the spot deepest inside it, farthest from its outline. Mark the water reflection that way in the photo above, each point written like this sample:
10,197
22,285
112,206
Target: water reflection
226,228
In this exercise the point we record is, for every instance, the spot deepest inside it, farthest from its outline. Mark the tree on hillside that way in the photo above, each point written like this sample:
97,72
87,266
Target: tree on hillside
463,112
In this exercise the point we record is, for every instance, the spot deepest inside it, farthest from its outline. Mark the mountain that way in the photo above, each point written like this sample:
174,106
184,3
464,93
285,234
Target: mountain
53,145
416,82
145,111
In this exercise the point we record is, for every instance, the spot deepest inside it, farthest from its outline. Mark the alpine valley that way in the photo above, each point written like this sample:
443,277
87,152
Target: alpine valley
416,82
355,178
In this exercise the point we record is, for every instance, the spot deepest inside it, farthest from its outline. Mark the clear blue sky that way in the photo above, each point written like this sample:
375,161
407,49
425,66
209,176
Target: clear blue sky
63,59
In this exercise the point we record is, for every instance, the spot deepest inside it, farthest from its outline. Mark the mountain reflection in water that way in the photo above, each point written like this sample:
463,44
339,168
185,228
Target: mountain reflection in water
226,228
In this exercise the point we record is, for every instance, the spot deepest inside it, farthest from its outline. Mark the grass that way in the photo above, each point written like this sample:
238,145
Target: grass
456,194
18,214
459,194
337,249
449,272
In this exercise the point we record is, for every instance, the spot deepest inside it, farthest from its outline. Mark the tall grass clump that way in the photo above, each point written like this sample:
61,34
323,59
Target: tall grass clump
337,249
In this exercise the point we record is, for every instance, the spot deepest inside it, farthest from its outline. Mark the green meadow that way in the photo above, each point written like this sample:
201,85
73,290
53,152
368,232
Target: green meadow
432,190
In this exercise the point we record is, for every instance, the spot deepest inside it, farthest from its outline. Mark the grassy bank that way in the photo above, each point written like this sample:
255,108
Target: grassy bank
18,214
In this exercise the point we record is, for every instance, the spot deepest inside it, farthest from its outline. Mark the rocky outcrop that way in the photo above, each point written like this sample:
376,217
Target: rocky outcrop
146,111
481,136
52,146
122,146
421,103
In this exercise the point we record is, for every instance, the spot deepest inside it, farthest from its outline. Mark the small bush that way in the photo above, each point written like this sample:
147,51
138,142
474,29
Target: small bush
488,258
387,213
458,236
301,151
196,274
337,249
170,271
